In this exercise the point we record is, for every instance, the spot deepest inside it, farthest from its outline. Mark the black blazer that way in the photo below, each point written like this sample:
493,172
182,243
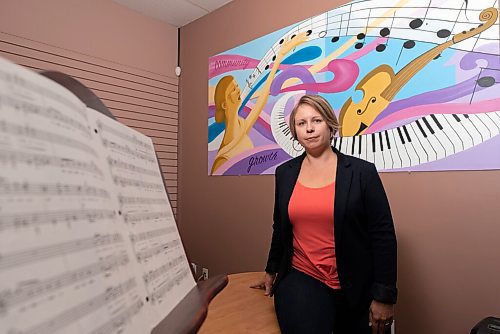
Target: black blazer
365,241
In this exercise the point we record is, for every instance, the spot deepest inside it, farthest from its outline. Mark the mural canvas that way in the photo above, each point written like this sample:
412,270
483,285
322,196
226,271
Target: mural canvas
414,84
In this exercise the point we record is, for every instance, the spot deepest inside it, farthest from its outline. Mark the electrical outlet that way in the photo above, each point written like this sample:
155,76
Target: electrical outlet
205,274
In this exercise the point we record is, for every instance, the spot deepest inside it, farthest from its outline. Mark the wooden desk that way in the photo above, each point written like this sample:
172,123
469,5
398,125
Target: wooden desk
239,309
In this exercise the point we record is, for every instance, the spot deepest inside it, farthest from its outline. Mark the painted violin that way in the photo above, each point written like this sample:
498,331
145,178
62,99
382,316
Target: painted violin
381,85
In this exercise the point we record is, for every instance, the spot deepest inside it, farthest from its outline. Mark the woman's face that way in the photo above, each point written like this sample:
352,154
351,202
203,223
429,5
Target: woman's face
312,131
233,94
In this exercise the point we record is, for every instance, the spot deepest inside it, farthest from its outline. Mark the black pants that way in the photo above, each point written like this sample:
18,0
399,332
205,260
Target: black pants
305,305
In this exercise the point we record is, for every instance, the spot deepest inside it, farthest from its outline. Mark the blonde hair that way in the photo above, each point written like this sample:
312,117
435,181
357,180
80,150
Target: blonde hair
220,97
321,105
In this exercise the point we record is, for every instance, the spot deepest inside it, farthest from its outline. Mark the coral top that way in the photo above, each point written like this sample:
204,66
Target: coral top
311,214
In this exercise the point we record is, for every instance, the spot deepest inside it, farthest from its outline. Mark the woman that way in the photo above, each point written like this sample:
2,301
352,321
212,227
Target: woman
332,261
228,101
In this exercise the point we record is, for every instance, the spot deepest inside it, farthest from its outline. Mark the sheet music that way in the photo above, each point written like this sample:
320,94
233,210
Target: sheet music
67,260
143,206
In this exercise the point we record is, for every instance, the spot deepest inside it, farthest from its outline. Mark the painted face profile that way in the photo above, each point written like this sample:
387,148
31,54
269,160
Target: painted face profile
233,95
227,100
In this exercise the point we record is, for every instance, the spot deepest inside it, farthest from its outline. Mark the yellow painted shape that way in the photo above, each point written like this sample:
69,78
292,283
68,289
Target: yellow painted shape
211,94
353,115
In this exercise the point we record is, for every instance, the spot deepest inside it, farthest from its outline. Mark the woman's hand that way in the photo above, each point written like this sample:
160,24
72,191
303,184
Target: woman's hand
381,317
265,284
291,43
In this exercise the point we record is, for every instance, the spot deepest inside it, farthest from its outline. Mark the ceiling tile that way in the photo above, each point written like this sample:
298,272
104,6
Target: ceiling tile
211,5
175,12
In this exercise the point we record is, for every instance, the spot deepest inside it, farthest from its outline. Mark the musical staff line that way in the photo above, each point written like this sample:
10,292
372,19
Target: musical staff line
125,182
456,20
37,254
130,139
349,18
38,160
168,285
120,319
355,29
144,216
127,150
24,293
27,131
151,234
36,219
145,254
406,7
125,200
131,167
81,310
47,93
154,274
47,112
362,4
26,188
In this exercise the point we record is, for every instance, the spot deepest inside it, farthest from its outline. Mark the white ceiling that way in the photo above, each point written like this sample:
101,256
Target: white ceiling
174,12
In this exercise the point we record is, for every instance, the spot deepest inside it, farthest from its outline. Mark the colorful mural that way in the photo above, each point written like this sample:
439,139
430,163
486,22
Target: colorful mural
415,85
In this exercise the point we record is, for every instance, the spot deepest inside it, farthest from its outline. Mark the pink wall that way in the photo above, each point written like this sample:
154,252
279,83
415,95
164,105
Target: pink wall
447,223
98,28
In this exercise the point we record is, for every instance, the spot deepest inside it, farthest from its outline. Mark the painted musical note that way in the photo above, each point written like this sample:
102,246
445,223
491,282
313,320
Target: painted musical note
485,81
384,32
418,22
362,36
